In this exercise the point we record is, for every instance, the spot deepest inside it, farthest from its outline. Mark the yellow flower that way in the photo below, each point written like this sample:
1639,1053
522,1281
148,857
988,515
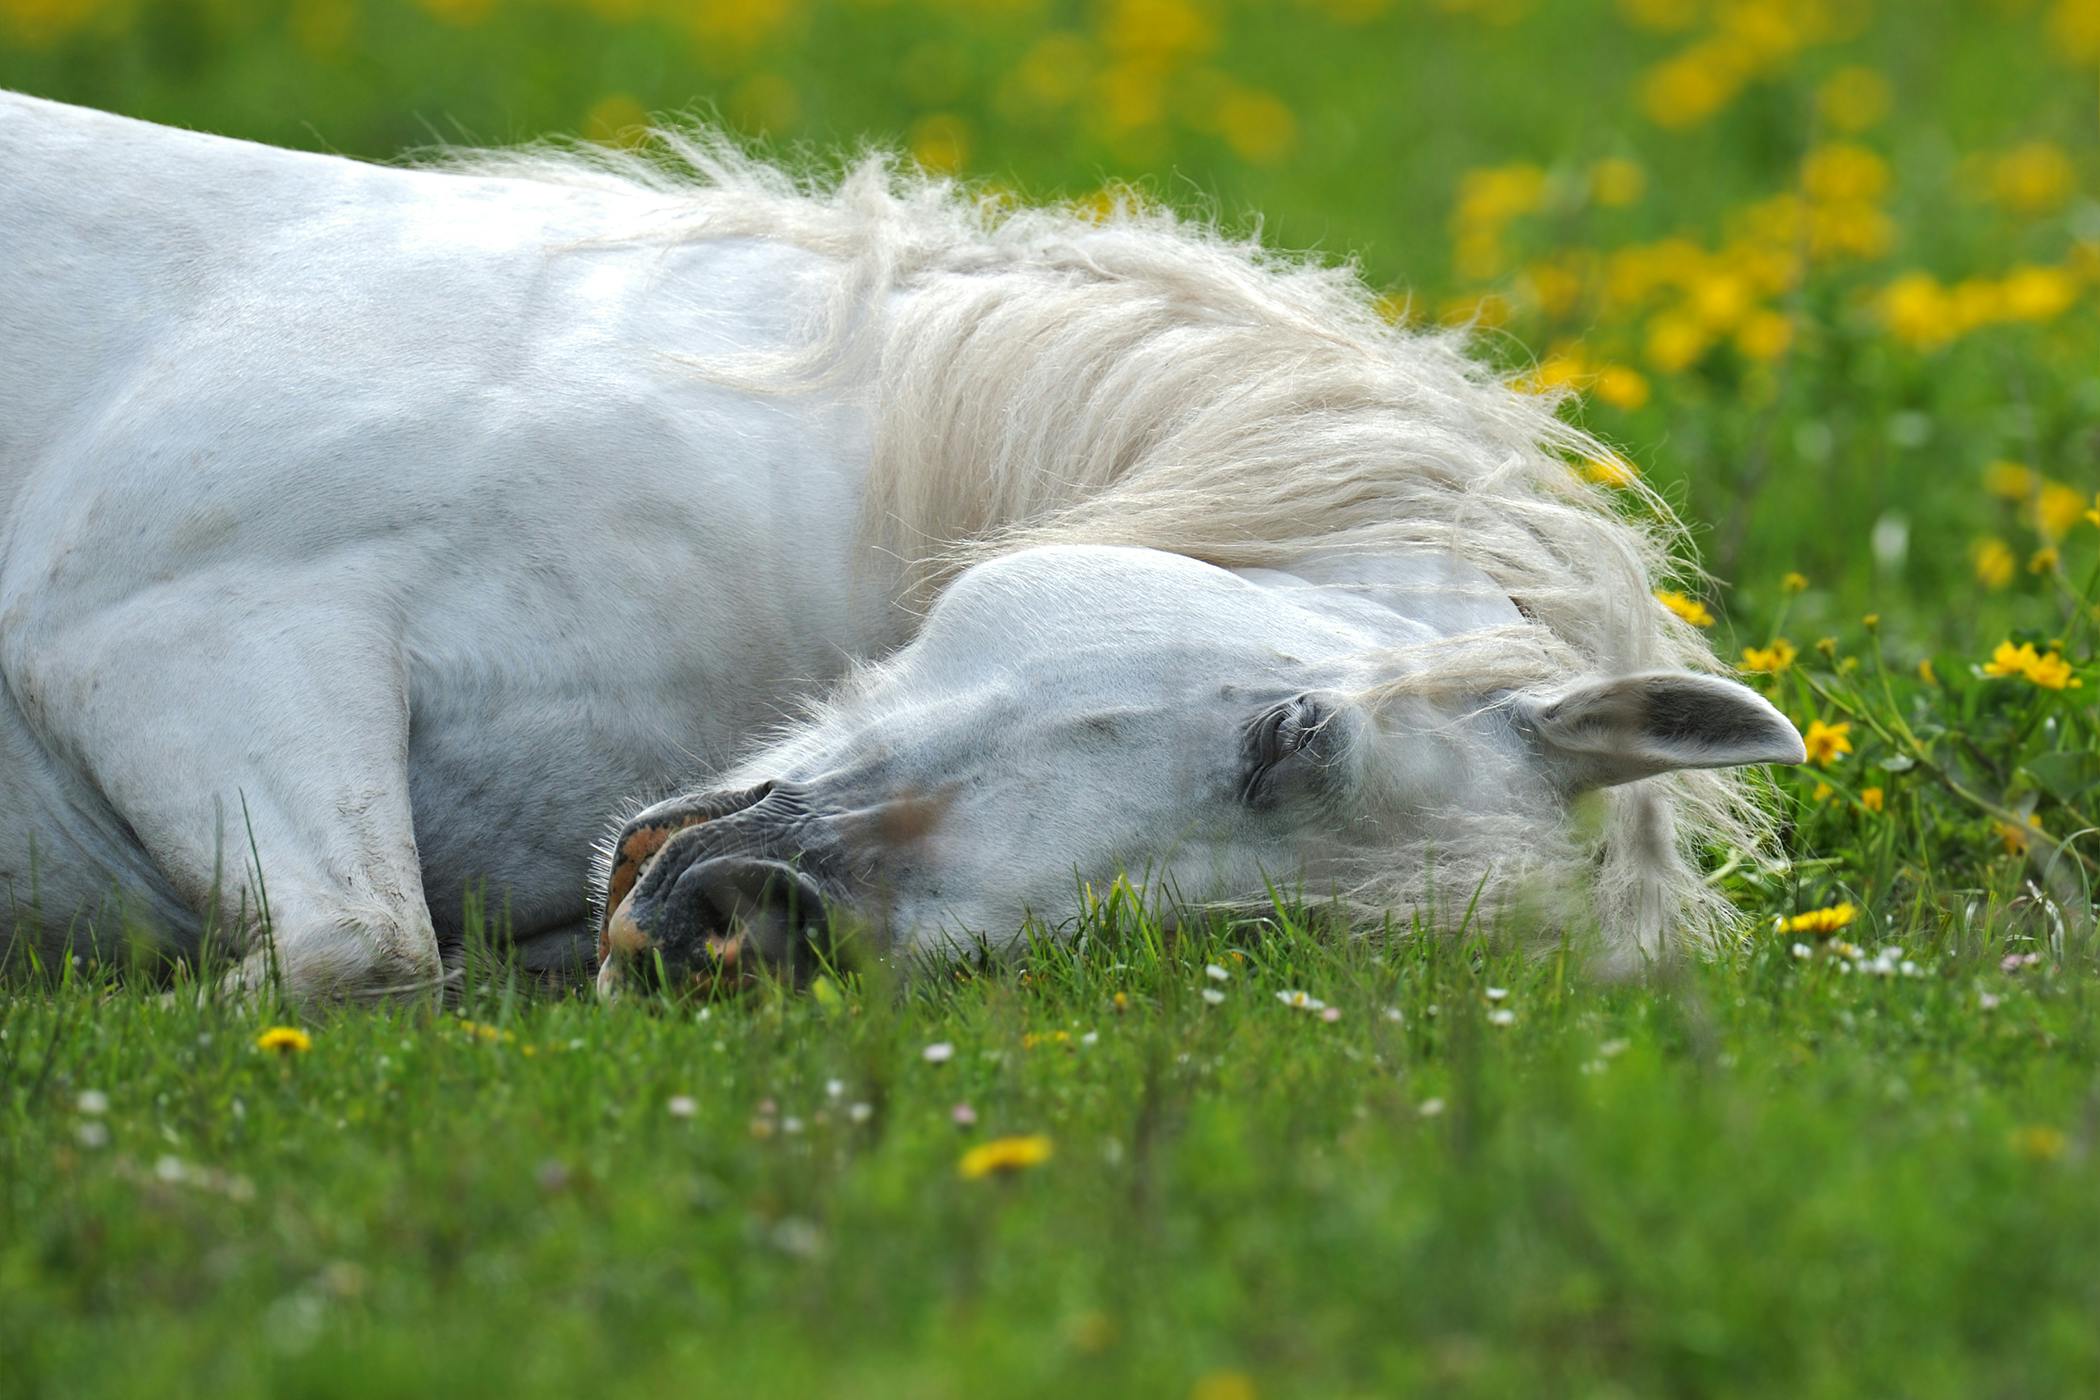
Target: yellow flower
1622,387
1822,922
2092,516
1994,562
1854,98
1004,1156
285,1040
2057,509
1764,335
1687,89
1688,608
1926,673
2050,672
2010,481
1676,342
1223,1385
1822,793
1842,173
2017,837
1827,742
2039,1144
617,120
1794,582
2042,561
2035,293
2008,660
1257,125
1918,311
2032,179
1772,659
1871,798
1610,471
941,143
1616,181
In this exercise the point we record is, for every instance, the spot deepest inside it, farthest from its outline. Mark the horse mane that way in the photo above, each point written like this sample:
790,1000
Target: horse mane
1124,375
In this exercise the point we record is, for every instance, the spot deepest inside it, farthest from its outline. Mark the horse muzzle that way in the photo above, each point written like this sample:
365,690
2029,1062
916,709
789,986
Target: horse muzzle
694,905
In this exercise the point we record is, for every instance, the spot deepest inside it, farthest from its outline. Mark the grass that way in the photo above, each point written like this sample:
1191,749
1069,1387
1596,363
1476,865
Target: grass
1487,1175
1825,272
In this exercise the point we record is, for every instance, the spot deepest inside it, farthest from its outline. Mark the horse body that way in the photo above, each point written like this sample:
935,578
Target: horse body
386,531
315,470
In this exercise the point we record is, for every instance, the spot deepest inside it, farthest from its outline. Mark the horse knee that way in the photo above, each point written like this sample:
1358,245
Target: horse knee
351,955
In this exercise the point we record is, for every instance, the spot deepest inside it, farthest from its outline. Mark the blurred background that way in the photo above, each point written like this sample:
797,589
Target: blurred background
1825,269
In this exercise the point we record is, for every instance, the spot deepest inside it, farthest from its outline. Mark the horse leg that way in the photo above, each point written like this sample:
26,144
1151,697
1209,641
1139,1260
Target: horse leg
258,752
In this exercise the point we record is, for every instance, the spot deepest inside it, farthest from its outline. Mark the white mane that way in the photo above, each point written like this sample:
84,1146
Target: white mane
1041,375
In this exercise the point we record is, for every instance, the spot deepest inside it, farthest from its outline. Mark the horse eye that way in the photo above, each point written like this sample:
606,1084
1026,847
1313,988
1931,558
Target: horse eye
1278,733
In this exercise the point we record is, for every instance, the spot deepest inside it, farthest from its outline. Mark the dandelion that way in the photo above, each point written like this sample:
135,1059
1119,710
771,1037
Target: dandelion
1821,922
2057,509
1764,335
1793,581
2015,838
2043,560
1770,660
1918,311
2032,179
2035,293
1822,793
1622,387
1853,98
1994,562
1617,471
2050,671
1871,799
1004,1157
1675,343
1827,742
1688,608
2009,481
1615,182
1926,673
1257,125
941,143
285,1040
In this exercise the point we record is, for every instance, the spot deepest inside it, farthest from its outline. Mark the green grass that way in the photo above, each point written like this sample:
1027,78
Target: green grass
1764,1176
1761,1175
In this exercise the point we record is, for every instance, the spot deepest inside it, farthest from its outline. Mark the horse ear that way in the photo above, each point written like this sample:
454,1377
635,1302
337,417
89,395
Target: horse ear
1602,733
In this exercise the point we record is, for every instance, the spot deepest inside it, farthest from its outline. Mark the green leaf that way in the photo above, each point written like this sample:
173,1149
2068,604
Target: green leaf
2066,773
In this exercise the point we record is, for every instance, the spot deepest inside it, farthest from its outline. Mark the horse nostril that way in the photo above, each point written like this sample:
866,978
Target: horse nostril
717,924
770,903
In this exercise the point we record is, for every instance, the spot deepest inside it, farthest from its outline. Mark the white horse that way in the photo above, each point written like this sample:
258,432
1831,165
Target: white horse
373,532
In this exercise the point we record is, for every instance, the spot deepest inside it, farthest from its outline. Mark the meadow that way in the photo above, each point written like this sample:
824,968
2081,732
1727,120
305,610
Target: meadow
1825,272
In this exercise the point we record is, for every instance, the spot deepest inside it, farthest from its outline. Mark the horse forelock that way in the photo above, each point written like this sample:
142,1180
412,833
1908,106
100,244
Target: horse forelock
1128,376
